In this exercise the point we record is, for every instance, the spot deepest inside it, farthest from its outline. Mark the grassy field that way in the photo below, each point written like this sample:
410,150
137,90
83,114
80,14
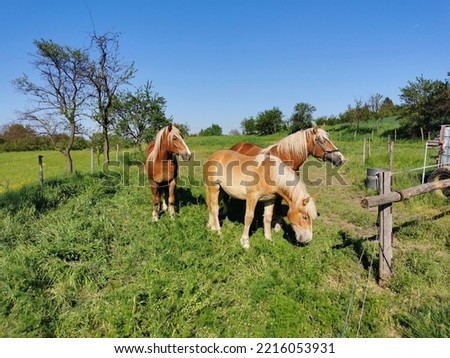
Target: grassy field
82,258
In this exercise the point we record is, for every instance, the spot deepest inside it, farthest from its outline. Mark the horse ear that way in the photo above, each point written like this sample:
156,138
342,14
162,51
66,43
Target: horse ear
306,200
169,127
315,129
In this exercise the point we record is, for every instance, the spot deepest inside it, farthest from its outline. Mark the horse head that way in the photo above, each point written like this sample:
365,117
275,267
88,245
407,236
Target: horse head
324,149
175,142
301,217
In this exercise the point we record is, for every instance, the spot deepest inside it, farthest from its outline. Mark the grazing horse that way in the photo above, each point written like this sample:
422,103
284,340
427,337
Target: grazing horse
261,178
295,148
161,167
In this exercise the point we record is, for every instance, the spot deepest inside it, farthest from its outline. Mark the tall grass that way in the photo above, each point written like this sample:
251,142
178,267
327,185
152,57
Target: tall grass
81,257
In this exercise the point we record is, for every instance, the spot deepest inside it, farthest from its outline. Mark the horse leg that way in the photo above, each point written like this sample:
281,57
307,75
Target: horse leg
171,199
212,200
165,198
268,214
155,195
278,216
249,215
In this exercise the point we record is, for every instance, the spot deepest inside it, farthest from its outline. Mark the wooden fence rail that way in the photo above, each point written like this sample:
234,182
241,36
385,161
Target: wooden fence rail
384,202
400,195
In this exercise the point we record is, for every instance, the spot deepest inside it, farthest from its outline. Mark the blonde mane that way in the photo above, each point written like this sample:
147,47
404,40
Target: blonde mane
294,144
158,139
294,186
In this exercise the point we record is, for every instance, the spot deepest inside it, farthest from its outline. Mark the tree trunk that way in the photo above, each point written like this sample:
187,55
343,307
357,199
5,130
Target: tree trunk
66,152
106,144
69,163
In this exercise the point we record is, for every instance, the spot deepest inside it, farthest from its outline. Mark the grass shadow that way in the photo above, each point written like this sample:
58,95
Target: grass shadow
358,247
185,197
49,197
236,214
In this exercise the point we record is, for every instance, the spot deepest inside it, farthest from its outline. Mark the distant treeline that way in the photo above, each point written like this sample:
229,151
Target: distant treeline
16,137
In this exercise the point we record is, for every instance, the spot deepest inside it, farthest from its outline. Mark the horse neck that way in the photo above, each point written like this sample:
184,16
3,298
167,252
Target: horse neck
293,150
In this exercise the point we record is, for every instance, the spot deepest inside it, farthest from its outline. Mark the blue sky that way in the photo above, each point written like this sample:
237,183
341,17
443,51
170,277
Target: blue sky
221,61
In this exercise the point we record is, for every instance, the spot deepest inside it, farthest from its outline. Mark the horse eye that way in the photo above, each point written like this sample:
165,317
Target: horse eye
304,217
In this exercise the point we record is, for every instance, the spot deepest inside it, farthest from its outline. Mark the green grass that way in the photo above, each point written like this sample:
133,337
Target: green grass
82,258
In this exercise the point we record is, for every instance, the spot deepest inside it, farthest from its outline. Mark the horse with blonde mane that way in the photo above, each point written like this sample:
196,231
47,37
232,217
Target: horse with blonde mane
161,167
295,148
259,178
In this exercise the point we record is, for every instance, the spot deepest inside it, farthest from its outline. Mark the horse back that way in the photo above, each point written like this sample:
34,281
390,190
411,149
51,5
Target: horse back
246,148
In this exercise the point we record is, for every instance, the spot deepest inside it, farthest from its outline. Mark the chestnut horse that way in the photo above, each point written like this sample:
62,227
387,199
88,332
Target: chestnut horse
258,178
161,167
295,148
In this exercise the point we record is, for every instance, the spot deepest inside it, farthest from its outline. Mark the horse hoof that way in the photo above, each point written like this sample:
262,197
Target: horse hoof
277,227
245,244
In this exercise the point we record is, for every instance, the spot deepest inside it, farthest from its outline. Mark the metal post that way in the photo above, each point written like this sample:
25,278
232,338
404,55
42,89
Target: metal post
424,162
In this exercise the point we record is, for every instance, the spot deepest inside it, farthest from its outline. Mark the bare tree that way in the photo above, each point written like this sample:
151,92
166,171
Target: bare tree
56,104
106,75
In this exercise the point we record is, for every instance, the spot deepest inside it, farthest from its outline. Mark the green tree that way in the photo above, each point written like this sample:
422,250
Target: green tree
374,105
269,121
355,115
140,115
183,128
302,117
248,126
59,100
388,108
426,105
214,129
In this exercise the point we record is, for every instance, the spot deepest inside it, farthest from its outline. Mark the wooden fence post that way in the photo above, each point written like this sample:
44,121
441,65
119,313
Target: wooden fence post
41,170
391,155
385,229
364,151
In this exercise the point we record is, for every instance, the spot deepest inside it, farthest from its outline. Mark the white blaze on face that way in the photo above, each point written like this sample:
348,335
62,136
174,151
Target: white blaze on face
188,152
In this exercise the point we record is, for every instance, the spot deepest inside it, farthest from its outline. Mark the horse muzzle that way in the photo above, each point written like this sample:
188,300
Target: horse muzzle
186,155
302,236
336,158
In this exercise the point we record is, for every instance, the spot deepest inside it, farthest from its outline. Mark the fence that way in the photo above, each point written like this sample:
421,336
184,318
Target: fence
384,202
